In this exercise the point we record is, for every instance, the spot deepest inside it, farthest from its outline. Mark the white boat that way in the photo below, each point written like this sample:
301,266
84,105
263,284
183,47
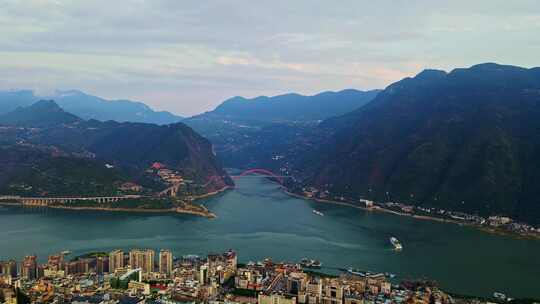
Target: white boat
318,213
315,264
390,275
358,272
307,263
499,296
396,243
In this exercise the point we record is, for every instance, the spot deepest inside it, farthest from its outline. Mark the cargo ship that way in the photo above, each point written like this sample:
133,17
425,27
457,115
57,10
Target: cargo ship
395,242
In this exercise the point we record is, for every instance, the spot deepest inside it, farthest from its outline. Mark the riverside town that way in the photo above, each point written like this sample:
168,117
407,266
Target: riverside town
494,223
149,276
272,152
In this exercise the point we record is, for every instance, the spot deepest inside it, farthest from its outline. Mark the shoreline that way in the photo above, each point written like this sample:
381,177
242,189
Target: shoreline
177,210
211,194
416,216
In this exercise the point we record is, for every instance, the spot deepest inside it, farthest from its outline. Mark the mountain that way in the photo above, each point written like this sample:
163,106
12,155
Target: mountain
250,132
32,171
468,140
90,107
11,100
41,134
294,107
93,107
44,113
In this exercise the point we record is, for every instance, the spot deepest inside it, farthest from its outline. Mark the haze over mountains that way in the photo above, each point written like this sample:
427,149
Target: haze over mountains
90,107
294,107
245,131
467,140
44,113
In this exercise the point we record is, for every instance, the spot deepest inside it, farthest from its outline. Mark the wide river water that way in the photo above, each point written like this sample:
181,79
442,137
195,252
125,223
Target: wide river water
258,220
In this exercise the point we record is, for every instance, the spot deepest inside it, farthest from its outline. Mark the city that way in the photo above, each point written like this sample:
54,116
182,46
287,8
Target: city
273,152
149,276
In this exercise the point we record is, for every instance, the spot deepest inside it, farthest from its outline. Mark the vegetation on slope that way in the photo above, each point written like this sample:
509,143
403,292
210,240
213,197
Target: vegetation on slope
468,140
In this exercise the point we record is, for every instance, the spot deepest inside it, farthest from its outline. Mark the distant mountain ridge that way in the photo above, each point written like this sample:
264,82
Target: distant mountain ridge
238,126
294,107
11,100
44,113
90,107
468,140
41,134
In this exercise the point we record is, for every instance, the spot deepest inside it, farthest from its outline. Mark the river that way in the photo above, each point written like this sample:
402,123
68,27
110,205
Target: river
258,220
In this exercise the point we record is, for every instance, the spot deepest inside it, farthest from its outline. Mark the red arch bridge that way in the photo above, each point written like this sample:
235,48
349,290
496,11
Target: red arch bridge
262,172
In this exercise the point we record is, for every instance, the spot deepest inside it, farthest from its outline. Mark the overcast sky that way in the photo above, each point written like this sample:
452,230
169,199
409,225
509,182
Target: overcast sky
188,56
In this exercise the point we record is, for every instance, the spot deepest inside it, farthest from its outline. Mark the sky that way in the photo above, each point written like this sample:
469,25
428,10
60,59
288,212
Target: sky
188,56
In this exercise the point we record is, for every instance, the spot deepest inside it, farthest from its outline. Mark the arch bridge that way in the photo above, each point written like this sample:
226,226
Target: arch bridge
262,172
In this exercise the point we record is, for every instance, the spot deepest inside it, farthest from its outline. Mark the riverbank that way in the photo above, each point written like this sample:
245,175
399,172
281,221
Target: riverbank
10,204
417,216
211,194
179,210
247,222
189,209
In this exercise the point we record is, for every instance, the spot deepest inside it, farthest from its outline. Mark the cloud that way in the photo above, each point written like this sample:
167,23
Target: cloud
187,56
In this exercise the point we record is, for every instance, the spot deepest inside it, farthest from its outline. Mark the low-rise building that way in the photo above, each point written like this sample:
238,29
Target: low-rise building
139,287
275,299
